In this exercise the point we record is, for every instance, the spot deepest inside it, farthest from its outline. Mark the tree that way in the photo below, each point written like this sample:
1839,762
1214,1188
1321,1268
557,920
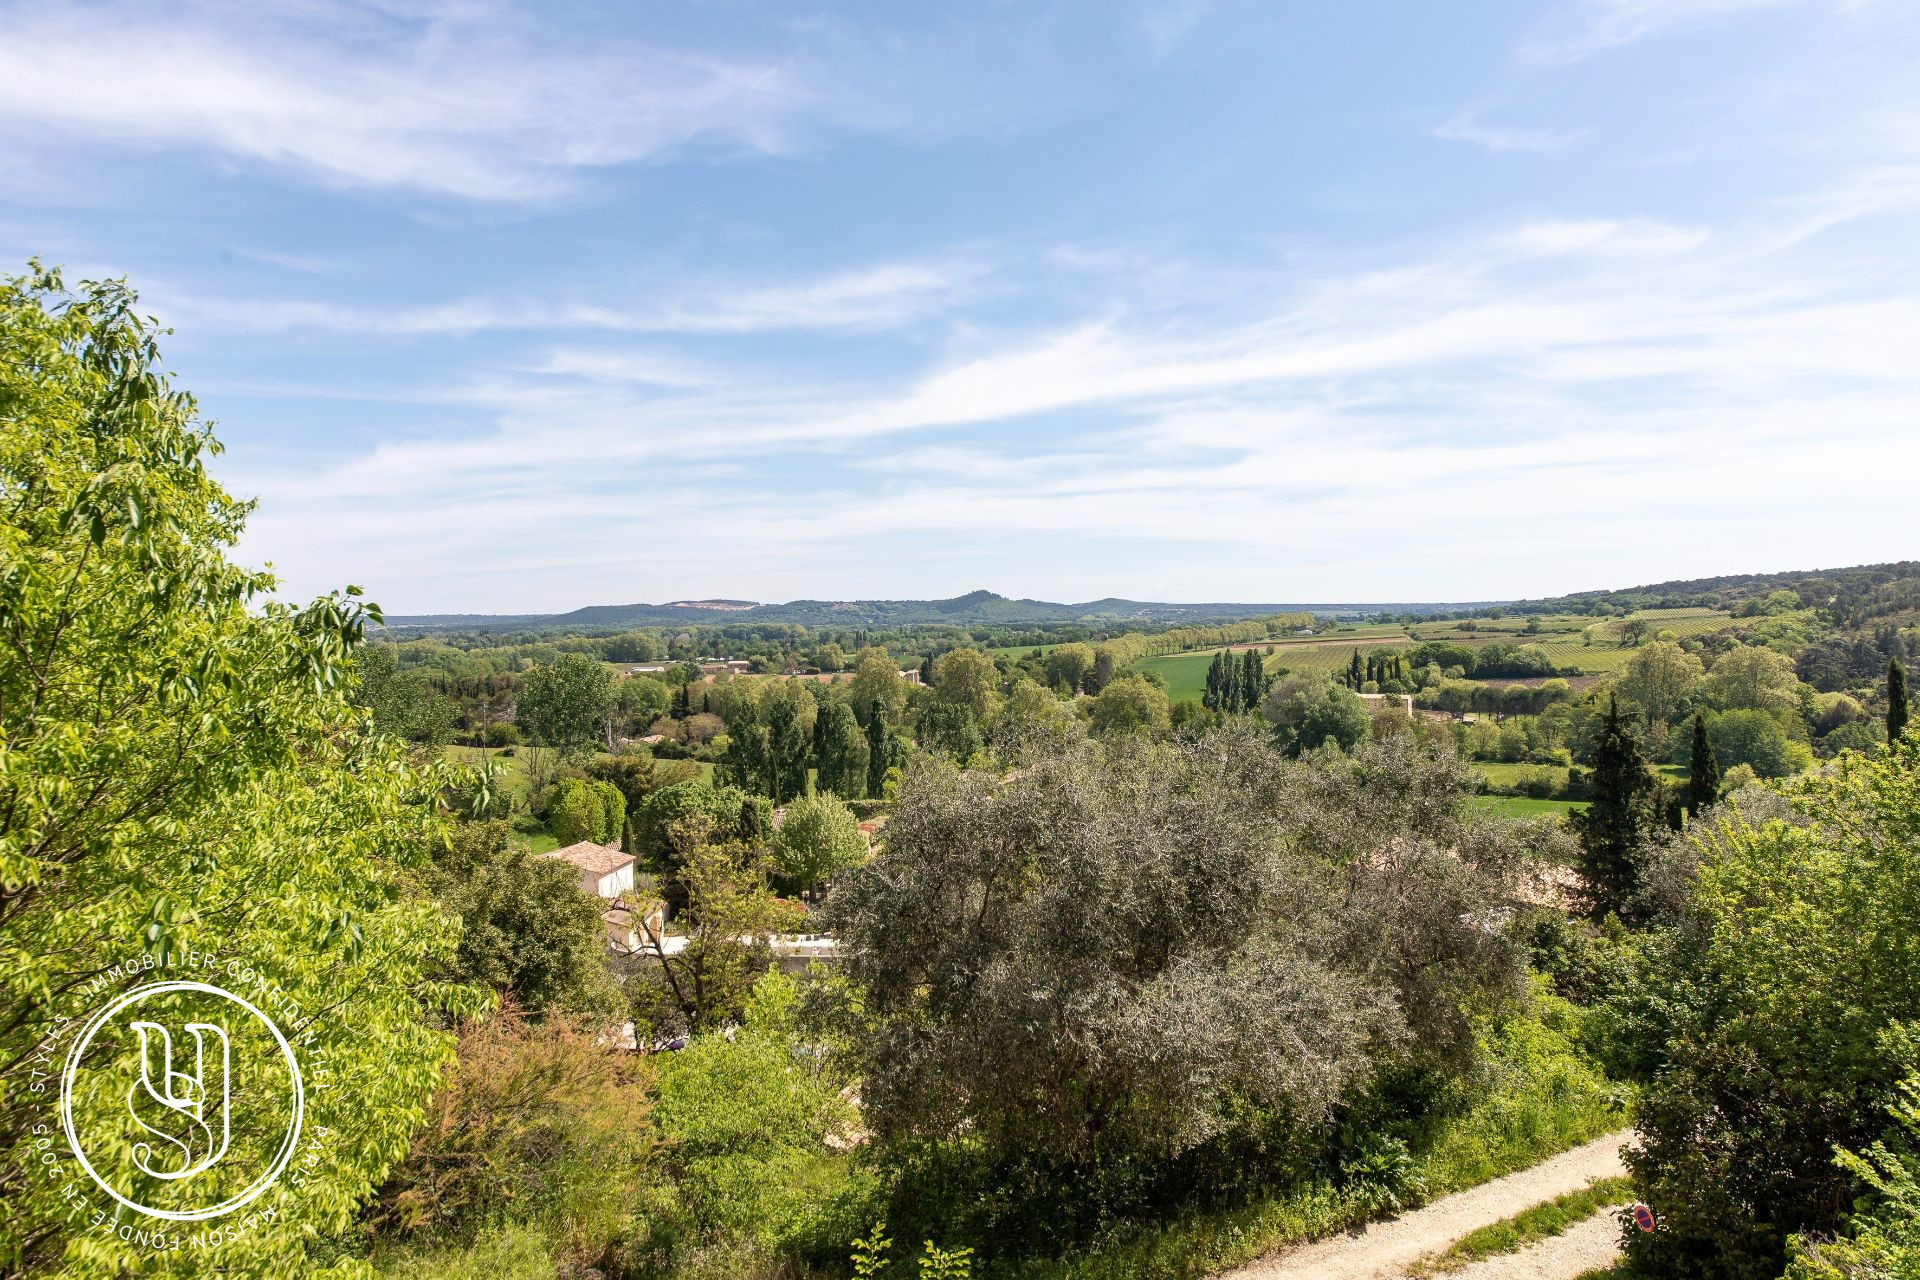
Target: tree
1253,681
818,839
180,766
405,704
1791,1026
725,882
876,678
1703,775
949,727
842,751
638,701
1065,899
1101,671
1067,665
562,705
722,810
1896,700
1130,704
1660,677
1307,711
1747,678
1751,737
525,926
586,809
967,678
883,747
1614,828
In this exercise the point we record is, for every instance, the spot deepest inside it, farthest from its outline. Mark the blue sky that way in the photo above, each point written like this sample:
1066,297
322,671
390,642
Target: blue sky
509,308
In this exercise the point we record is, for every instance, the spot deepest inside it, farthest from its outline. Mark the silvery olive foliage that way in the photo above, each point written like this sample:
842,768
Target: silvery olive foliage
1124,947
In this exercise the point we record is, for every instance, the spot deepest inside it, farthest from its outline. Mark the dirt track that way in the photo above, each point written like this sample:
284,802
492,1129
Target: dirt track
1385,1249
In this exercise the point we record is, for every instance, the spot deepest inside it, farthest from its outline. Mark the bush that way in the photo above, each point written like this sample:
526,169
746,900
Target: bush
1793,968
536,1121
587,809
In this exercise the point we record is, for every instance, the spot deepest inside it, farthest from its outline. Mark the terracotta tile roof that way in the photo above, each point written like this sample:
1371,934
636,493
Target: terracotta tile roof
596,859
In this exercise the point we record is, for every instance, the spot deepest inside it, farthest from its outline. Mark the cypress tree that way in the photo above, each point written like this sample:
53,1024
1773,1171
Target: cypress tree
1896,699
1624,810
1354,677
1253,681
879,747
1703,777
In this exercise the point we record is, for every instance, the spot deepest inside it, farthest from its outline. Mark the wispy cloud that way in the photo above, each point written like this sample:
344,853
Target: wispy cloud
375,97
1469,128
1562,373
1587,27
869,297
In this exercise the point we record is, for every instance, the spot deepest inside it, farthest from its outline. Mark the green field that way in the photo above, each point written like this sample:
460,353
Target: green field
1185,673
1524,807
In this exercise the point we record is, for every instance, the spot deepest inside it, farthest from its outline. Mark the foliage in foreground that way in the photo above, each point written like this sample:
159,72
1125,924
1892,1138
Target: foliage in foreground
1798,958
180,770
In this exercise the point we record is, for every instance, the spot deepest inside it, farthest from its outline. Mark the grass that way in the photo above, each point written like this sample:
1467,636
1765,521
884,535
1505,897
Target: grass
1501,773
1540,1222
1546,1099
1525,806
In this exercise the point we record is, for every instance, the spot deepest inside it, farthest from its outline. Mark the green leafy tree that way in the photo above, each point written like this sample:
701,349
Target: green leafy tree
1253,681
949,728
1795,983
1756,738
1659,678
180,768
562,706
817,840
1067,665
405,704
587,809
526,928
876,678
1130,704
1748,678
1615,827
1703,774
968,678
1308,711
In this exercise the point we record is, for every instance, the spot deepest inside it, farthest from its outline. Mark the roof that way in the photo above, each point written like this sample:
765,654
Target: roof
597,859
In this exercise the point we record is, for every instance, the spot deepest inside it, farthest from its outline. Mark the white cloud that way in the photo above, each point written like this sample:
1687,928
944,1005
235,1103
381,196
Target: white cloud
447,106
871,297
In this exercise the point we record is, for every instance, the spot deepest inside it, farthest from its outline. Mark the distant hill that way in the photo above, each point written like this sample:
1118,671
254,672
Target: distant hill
1852,595
973,608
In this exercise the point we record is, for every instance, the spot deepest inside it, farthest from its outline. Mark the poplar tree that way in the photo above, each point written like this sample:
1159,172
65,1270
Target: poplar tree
1253,681
1703,776
1896,699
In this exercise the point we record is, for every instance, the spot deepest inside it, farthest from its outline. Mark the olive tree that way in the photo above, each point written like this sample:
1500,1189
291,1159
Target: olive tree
1122,948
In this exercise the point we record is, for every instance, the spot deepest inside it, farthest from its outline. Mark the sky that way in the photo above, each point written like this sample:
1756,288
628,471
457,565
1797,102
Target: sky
515,308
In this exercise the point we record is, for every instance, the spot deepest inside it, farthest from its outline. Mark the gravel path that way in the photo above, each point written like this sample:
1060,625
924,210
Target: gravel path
1589,1246
1384,1249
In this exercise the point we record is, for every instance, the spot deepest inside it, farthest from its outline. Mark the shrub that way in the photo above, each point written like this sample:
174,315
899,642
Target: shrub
539,1121
1797,959
587,809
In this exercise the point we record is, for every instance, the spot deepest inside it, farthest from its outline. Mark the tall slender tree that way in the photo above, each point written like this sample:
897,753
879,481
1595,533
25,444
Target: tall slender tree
1625,809
879,747
1896,699
1355,673
1703,776
1253,680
